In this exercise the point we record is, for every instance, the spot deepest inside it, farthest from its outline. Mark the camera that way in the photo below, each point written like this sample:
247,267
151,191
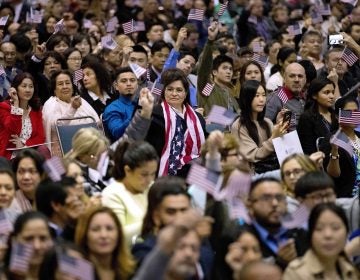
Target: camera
336,39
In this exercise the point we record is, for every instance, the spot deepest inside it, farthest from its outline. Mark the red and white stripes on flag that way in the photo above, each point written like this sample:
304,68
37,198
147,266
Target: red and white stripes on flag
349,57
210,181
108,42
155,88
261,59
54,168
78,268
3,20
221,115
297,219
349,117
21,254
193,137
222,9
78,76
196,14
138,70
129,27
208,89
282,95
59,26
294,29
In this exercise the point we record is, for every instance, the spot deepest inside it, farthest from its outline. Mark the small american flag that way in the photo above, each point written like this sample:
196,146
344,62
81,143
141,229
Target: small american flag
349,57
237,186
221,115
78,76
138,70
296,219
258,47
196,14
253,19
87,23
59,26
20,256
139,26
324,10
108,42
341,140
78,268
351,2
129,27
2,70
294,29
208,89
316,18
5,225
223,7
156,88
237,210
54,168
349,117
282,95
261,59
204,178
3,20
111,25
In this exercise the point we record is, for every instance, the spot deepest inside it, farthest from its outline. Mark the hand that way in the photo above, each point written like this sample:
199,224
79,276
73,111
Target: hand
333,76
146,101
352,248
280,129
76,102
126,53
16,140
345,22
234,257
318,158
14,98
180,38
215,141
349,40
200,111
213,30
40,51
94,201
280,115
287,251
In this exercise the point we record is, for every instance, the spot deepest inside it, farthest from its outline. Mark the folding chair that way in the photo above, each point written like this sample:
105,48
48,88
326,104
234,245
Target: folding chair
65,132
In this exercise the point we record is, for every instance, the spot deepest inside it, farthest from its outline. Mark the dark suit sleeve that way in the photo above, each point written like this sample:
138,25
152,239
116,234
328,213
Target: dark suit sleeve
305,129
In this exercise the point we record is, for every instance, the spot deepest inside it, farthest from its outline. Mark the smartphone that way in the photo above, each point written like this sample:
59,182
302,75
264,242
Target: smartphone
287,116
336,39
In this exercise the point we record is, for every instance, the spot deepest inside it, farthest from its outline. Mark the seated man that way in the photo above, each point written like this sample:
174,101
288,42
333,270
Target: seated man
118,114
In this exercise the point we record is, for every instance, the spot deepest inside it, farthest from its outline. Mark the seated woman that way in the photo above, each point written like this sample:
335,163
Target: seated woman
112,259
21,119
28,168
134,171
256,132
328,230
63,105
318,119
340,164
87,146
176,130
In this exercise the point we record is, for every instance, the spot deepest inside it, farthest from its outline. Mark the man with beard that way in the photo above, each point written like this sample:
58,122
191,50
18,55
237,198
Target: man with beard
167,202
117,116
266,207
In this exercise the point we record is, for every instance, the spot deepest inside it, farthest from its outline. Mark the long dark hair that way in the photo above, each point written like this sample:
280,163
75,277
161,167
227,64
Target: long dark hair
247,93
34,102
102,76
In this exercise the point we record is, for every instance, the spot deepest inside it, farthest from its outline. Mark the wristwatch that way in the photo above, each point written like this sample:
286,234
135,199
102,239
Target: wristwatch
334,157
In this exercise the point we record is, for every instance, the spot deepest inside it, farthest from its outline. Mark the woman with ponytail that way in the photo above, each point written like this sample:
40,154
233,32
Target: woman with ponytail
134,171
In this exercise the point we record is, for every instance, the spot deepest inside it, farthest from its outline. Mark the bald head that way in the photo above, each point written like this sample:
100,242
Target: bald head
260,271
295,78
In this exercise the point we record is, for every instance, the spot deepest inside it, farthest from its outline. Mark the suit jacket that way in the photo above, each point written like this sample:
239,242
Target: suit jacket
311,127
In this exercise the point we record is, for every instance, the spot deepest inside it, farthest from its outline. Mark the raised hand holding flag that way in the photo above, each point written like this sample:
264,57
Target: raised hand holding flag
341,140
138,70
3,20
108,42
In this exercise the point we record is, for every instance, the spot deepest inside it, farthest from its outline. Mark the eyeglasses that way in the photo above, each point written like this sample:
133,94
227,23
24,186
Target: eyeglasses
268,198
295,172
177,90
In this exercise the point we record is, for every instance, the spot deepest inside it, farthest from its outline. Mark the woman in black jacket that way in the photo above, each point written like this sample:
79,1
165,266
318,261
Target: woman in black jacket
318,119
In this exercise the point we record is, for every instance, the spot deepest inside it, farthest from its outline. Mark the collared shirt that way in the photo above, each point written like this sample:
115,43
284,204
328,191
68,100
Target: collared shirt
273,241
95,97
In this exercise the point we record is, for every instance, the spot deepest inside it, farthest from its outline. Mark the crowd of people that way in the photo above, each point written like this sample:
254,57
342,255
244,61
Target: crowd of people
154,186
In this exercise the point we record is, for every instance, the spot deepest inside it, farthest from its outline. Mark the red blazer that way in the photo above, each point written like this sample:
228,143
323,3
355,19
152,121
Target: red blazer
11,125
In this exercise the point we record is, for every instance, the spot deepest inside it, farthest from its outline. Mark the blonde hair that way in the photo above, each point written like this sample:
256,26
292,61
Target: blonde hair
86,142
122,261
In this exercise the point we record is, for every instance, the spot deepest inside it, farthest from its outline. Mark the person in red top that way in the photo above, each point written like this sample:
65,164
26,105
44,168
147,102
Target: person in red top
20,117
